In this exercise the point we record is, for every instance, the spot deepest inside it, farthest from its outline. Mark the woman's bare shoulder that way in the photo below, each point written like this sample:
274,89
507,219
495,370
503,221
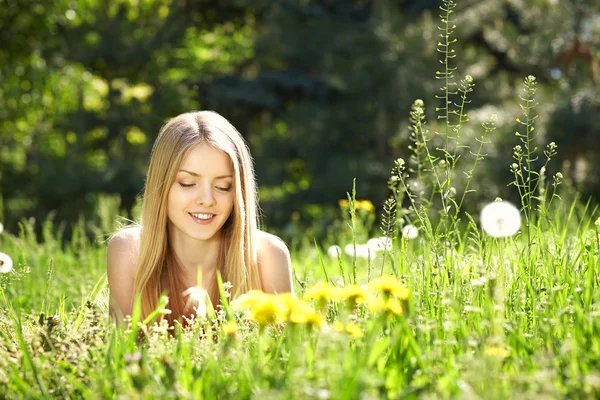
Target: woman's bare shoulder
274,262
123,249
121,264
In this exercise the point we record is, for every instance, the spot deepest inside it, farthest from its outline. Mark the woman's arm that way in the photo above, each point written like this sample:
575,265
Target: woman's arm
275,264
121,260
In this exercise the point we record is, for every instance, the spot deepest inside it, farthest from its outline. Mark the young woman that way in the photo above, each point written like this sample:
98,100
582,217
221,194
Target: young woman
199,214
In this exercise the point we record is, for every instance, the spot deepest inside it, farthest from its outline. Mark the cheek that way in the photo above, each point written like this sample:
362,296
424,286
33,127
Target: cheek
174,198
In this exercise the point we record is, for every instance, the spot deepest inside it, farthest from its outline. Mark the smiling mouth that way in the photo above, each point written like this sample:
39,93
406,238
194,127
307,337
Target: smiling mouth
202,217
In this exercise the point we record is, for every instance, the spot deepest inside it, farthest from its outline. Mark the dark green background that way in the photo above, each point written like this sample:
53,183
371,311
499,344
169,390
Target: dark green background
320,89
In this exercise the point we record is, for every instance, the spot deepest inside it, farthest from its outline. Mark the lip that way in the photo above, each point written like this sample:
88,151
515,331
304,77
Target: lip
202,221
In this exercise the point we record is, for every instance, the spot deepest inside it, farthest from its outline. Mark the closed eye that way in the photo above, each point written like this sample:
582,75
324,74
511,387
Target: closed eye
224,189
184,185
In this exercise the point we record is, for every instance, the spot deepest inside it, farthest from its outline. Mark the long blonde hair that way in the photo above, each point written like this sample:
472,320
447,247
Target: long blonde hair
157,270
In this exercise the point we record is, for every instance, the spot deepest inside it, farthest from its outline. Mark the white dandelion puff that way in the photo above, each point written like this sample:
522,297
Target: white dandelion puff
6,263
500,219
349,249
333,251
382,243
362,250
197,299
1,227
410,232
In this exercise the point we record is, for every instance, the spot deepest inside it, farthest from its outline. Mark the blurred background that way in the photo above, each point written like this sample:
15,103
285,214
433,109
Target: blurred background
321,90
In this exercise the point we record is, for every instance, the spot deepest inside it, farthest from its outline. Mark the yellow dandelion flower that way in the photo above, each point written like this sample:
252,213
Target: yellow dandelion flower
314,319
390,286
322,292
376,304
269,310
365,205
597,222
393,306
354,294
230,328
344,203
354,330
338,326
306,315
495,351
248,300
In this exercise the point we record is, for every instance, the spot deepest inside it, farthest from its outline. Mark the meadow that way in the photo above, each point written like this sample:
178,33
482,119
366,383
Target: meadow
413,299
488,318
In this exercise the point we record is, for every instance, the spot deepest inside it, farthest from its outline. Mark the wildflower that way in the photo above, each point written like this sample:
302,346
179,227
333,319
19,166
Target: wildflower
410,232
322,292
382,243
391,306
350,328
247,300
303,313
338,326
365,205
500,219
269,310
344,203
353,294
1,228
333,251
389,286
230,328
361,250
6,263
353,330
597,222
197,299
494,351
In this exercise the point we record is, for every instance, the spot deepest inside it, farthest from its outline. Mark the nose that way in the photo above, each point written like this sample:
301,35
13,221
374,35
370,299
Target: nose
205,197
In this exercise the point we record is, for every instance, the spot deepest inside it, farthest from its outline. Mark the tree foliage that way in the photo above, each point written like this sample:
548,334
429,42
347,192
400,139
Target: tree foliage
321,90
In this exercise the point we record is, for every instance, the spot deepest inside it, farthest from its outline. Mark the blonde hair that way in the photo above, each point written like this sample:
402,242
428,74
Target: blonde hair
157,270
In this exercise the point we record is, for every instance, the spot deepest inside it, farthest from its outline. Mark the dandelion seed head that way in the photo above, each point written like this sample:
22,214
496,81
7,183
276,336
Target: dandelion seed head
197,299
410,232
333,251
500,219
382,243
362,250
6,263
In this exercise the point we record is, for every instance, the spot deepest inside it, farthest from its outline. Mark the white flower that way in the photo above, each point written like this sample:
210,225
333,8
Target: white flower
333,251
382,243
197,298
362,250
500,219
410,232
6,263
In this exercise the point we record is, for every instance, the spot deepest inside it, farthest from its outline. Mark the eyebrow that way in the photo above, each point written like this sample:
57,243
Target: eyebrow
195,174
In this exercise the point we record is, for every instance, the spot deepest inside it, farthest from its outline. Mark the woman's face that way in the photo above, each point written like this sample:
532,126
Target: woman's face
201,199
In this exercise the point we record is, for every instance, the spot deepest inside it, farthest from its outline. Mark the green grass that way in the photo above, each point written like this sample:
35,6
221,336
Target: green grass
454,339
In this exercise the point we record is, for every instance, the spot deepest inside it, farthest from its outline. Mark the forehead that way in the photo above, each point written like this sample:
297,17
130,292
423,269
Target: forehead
206,159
